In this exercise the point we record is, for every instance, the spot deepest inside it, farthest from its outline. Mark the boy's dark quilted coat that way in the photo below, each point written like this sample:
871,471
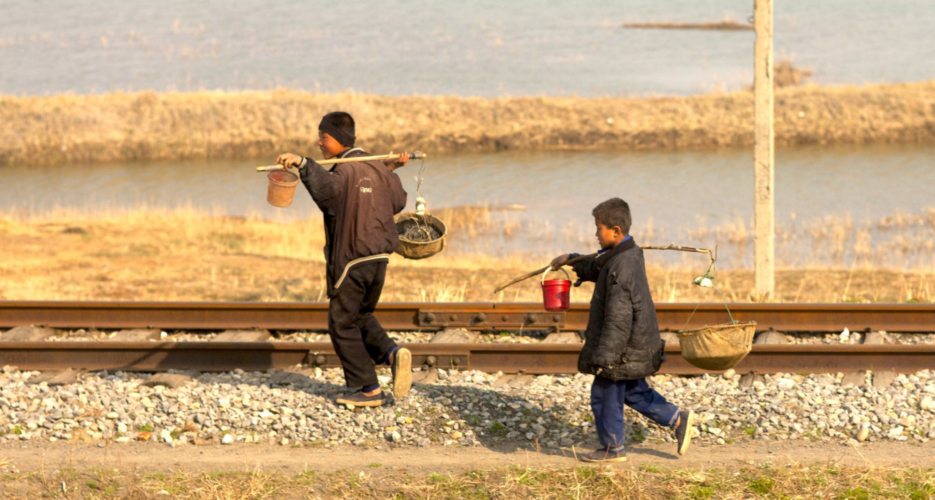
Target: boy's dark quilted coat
622,340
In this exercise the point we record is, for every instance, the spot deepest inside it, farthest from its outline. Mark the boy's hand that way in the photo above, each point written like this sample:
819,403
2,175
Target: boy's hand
603,360
289,160
560,261
399,162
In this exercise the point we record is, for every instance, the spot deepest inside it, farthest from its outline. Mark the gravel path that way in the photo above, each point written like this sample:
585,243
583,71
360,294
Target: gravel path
457,408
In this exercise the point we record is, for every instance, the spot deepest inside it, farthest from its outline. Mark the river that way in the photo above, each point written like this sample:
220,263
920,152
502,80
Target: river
686,196
479,48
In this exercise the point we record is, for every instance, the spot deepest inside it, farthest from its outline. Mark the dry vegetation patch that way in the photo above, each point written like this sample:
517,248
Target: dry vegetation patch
186,254
206,124
583,482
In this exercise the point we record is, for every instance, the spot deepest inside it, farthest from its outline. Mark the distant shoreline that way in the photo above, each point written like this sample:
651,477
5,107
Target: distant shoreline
725,25
198,125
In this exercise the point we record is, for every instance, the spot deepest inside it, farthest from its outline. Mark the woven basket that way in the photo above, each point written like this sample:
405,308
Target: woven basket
717,347
420,249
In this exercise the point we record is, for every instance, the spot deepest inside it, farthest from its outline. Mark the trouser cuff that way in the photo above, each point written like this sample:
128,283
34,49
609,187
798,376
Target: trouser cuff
675,418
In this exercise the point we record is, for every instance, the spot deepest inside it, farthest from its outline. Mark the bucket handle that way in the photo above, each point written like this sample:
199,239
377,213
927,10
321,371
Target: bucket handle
562,269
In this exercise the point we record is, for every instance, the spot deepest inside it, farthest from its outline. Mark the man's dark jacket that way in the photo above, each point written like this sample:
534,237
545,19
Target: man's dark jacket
358,200
622,340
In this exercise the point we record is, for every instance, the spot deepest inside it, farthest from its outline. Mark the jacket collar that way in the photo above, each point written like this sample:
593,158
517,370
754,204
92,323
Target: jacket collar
602,259
345,154
348,152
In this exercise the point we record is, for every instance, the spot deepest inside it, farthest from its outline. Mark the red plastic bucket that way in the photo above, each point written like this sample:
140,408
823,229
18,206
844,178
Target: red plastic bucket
556,294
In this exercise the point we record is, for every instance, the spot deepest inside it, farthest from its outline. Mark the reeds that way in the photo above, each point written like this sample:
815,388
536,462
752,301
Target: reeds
186,254
205,124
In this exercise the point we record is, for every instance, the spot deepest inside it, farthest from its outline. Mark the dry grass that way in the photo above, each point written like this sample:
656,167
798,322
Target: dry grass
786,74
645,483
185,254
168,126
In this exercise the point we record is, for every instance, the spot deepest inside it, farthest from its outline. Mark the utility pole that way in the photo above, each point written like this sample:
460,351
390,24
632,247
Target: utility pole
763,173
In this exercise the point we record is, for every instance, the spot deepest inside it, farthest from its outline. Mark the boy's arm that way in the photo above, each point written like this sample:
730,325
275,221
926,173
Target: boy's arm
618,325
586,269
326,188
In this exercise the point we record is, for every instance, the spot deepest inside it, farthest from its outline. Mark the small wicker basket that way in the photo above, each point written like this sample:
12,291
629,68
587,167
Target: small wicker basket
420,249
717,347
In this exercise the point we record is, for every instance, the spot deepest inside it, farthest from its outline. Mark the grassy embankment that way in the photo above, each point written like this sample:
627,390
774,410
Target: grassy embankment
147,125
646,483
189,255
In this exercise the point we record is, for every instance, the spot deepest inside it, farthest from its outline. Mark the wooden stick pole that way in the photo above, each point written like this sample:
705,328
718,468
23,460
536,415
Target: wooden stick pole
671,246
415,156
763,156
538,272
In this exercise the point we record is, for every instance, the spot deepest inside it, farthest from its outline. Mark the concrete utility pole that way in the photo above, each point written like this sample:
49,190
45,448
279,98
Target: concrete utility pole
764,179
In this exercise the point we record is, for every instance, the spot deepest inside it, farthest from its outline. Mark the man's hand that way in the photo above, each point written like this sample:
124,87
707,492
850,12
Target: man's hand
399,162
560,261
289,160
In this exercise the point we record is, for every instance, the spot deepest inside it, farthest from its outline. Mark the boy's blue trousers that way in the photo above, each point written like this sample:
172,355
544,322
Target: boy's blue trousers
608,398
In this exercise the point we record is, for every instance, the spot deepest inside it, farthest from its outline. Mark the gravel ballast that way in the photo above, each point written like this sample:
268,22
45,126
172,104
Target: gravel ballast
456,408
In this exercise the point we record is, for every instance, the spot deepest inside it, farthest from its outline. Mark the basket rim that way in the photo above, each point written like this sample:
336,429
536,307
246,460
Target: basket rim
693,331
399,216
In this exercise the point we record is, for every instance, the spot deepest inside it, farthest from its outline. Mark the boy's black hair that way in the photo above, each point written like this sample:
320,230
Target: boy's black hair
614,212
339,125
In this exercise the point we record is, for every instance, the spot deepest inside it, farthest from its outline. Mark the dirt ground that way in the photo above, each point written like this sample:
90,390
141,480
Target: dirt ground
151,458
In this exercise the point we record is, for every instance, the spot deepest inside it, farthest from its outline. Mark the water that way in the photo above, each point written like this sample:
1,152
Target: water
673,192
484,48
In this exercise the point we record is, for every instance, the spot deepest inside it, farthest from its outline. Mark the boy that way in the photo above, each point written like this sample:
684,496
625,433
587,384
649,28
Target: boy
358,201
622,344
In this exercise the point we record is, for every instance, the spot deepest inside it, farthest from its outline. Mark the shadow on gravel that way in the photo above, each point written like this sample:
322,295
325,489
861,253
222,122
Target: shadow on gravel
504,422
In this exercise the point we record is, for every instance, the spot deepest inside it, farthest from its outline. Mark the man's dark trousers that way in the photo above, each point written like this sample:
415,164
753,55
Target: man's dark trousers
358,339
608,398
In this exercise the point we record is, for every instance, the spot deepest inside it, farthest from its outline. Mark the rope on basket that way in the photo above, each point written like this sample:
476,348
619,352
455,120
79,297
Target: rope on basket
711,277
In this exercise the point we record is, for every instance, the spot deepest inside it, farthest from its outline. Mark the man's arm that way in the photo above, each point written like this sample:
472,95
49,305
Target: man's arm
326,188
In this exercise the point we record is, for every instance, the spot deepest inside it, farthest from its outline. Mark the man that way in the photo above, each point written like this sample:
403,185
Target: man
358,200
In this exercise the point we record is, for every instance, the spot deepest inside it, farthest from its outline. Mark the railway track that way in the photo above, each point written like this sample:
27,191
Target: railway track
435,316
537,358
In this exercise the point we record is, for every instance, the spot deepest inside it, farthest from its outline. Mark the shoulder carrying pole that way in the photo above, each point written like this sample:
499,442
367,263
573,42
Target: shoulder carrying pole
414,156
671,246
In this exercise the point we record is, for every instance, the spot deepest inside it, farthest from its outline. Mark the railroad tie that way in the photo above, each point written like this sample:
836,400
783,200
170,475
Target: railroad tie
54,378
669,337
883,379
169,380
28,334
873,338
562,338
425,376
514,381
286,377
136,335
854,379
455,336
242,336
771,337
748,379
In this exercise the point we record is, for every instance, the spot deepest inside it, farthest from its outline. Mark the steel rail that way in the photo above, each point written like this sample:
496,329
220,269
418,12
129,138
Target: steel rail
486,357
434,316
